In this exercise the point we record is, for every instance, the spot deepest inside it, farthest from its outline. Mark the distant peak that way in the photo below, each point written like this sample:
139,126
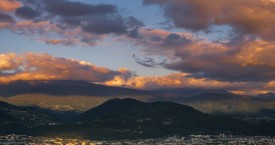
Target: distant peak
123,100
213,93
269,93
129,99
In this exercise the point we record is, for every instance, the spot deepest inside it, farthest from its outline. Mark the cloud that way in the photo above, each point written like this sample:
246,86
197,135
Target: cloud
134,22
174,80
250,60
147,61
66,42
26,12
253,17
50,33
244,57
30,66
105,25
67,8
68,23
9,5
6,18
185,81
9,62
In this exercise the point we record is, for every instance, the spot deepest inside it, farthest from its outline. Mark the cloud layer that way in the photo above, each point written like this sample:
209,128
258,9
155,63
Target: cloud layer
30,66
65,22
255,17
242,61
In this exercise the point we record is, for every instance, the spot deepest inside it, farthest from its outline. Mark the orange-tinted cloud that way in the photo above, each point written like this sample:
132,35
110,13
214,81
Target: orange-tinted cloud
9,61
50,33
176,80
31,66
67,42
184,81
255,17
9,5
251,60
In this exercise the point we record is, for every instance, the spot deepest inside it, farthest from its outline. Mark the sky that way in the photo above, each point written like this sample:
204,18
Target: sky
141,44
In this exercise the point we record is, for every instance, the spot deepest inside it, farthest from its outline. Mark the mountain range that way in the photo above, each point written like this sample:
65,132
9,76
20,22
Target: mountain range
82,95
229,103
65,94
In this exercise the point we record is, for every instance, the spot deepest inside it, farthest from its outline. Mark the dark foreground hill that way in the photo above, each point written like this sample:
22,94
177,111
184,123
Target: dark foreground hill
129,117
123,119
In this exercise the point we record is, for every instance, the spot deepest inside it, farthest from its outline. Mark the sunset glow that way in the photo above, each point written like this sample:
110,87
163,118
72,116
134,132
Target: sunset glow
195,44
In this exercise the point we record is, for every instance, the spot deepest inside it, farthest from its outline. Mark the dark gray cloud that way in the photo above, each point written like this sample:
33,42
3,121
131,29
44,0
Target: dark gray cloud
26,12
148,61
92,18
67,8
73,23
98,19
223,71
184,14
134,33
175,40
6,18
134,22
105,25
143,62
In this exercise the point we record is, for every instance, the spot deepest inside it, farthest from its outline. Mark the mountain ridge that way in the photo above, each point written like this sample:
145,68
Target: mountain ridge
65,87
83,95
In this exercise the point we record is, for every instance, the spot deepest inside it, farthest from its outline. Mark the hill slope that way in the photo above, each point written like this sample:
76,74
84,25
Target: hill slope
17,119
129,118
227,103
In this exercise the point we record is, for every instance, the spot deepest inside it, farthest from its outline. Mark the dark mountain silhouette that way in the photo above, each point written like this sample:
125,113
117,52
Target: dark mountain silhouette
65,87
130,118
133,108
123,119
187,92
267,96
